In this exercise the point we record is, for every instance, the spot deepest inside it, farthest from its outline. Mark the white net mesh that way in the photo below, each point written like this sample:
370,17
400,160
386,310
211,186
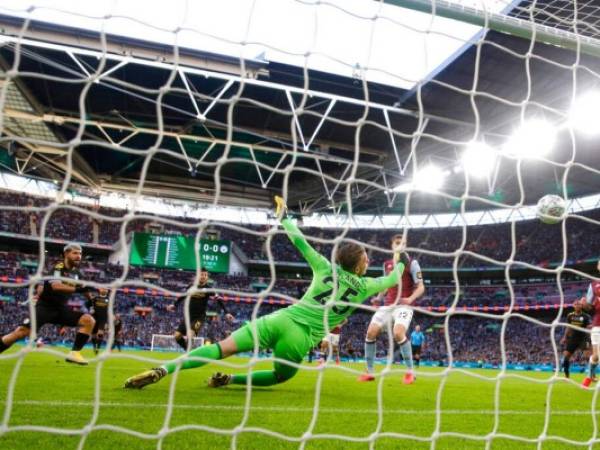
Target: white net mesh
350,110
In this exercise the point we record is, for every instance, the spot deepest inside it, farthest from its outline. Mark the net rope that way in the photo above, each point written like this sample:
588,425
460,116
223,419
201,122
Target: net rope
86,75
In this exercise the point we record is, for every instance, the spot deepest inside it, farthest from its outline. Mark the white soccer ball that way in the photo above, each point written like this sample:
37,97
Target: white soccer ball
551,208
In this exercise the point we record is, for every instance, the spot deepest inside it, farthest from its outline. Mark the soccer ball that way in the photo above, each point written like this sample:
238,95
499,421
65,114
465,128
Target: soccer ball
551,208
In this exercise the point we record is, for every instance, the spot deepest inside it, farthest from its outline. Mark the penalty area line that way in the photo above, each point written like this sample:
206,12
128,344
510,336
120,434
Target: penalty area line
66,403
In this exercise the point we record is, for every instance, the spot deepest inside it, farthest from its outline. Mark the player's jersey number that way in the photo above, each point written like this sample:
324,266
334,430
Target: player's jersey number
345,297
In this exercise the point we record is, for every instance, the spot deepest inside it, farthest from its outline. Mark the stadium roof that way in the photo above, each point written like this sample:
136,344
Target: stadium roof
123,110
334,34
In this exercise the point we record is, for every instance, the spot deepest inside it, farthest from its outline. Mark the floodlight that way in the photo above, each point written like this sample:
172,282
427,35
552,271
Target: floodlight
478,159
535,138
429,179
583,115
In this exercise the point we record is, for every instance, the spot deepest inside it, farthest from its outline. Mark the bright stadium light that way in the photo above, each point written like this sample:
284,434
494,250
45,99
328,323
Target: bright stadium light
583,115
429,179
403,187
535,138
478,159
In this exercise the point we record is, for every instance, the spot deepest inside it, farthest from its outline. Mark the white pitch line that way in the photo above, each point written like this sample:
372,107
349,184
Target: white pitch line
56,403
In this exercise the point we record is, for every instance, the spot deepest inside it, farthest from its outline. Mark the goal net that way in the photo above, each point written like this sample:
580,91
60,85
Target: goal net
167,343
157,135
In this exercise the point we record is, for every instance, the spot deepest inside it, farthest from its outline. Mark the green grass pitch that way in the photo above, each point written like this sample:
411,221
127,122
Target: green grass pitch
52,393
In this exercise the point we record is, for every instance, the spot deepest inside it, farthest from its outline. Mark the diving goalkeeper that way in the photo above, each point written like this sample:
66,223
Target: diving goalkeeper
291,332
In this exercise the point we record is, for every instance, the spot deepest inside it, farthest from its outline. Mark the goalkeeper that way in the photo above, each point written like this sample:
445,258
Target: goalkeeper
292,331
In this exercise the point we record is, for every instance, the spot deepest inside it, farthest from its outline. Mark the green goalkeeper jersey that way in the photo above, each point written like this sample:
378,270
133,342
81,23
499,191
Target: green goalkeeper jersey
317,309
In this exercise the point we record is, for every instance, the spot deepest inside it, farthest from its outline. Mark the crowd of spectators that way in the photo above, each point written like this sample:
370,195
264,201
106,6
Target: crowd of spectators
533,241
20,266
472,339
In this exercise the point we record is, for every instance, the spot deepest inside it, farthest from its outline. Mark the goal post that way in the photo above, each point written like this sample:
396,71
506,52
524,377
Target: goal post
167,343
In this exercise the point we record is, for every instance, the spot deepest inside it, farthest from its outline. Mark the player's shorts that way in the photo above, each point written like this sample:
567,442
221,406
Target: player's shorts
289,339
195,322
57,315
577,343
101,318
399,315
416,350
595,335
333,339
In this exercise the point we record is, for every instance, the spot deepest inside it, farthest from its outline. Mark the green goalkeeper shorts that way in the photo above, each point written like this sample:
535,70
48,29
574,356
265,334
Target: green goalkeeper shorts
289,340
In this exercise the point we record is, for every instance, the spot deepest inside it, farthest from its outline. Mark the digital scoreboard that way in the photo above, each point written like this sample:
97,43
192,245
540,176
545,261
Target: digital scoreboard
177,252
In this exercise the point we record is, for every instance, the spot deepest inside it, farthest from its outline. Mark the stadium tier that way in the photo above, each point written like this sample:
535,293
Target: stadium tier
144,310
489,241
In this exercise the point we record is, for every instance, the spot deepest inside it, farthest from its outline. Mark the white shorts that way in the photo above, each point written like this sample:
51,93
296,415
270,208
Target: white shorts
395,315
333,339
595,335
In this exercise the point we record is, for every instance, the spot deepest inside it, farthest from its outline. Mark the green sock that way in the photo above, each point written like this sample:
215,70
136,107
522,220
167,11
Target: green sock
281,373
212,351
259,378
